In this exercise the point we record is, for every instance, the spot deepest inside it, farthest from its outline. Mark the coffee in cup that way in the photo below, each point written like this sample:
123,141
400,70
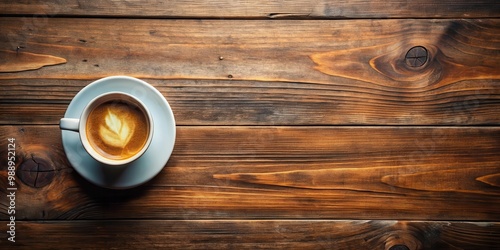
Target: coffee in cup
115,128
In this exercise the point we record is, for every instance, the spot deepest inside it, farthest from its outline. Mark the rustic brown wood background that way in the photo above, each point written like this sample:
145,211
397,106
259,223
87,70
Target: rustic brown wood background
300,125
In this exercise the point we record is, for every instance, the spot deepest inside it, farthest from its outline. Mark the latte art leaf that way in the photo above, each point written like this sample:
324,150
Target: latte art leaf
116,131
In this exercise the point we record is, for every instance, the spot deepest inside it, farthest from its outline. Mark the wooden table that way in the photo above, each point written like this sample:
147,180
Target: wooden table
300,125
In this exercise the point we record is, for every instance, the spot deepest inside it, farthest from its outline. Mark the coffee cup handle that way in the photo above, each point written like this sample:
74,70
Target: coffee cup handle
72,124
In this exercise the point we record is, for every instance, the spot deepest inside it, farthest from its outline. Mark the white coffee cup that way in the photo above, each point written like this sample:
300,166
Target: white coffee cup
115,128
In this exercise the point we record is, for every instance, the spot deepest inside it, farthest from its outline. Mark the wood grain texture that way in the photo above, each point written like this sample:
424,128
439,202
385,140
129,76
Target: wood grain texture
447,173
219,102
258,234
257,8
298,51
264,93
316,73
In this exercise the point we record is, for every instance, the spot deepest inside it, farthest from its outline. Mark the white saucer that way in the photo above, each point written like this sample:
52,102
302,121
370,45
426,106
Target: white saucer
150,163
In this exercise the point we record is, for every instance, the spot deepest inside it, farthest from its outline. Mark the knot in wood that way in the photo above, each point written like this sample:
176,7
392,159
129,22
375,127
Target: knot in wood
36,172
416,56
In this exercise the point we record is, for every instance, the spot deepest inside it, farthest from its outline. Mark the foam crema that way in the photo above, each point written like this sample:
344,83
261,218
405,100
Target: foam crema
117,130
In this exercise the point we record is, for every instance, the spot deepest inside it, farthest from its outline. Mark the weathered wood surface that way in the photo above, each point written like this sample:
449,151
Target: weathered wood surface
267,234
281,172
219,102
257,8
298,134
316,51
231,73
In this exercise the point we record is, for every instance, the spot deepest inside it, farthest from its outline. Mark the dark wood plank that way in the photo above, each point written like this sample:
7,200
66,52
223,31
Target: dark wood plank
445,173
310,52
253,103
257,8
257,234
318,73
217,102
